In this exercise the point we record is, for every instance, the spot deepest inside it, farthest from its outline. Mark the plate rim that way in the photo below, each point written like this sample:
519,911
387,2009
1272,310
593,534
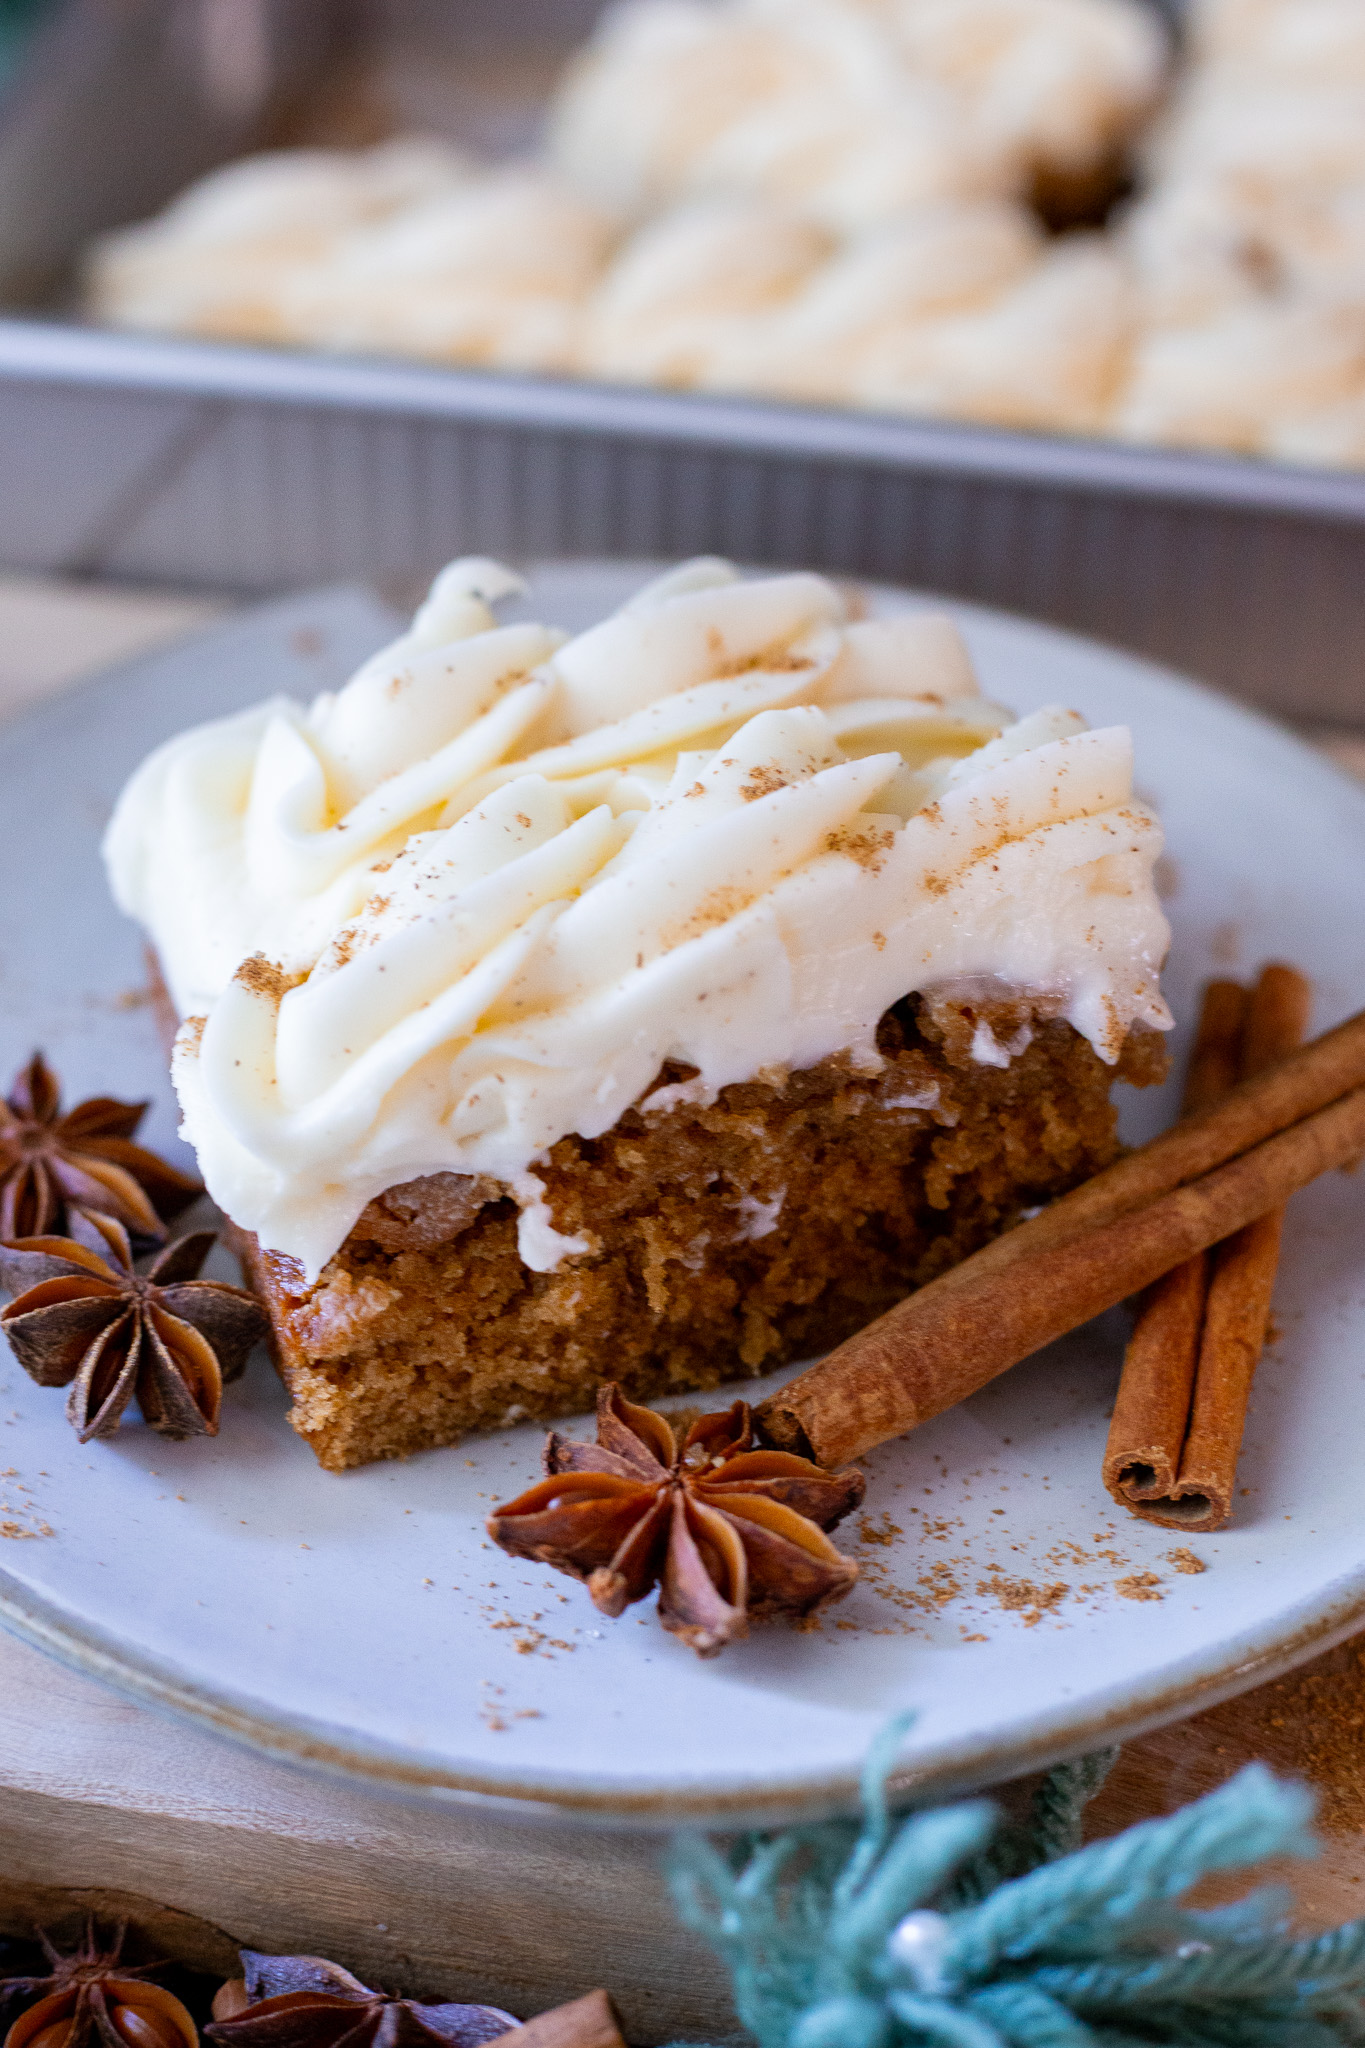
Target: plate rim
946,1771
330,1751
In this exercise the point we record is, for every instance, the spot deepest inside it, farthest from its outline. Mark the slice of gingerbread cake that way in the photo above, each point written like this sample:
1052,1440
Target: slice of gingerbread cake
656,1005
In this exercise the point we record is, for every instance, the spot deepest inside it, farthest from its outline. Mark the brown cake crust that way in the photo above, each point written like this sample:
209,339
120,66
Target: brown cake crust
426,1324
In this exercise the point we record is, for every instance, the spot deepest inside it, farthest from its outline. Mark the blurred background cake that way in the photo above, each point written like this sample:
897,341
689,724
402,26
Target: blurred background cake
915,206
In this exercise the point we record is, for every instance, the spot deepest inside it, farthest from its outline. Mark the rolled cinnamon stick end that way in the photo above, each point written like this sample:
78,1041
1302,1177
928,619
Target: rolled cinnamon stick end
1152,1409
940,1345
1236,1316
1237,1312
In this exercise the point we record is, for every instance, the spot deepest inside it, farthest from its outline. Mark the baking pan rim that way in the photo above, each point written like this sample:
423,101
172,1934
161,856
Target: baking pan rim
57,352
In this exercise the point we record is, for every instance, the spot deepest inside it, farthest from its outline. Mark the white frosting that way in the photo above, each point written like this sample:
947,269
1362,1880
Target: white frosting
1248,250
1051,85
672,96
1254,308
684,292
493,273
505,876
1286,135
1235,382
405,248
853,160
1204,247
1299,38
853,109
656,83
1049,353
940,259
216,261
1334,436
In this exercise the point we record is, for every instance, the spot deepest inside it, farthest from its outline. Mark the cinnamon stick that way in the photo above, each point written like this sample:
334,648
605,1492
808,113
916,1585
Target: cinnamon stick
1216,1058
1189,1189
1152,1411
1305,1081
1237,1314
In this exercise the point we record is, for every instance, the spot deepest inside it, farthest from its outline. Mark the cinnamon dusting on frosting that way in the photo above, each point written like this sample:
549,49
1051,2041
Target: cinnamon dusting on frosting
723,831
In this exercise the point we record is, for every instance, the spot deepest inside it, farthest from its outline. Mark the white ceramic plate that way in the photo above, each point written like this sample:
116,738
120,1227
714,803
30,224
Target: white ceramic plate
363,1625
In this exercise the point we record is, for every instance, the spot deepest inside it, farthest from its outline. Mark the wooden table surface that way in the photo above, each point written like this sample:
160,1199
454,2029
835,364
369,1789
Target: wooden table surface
108,1798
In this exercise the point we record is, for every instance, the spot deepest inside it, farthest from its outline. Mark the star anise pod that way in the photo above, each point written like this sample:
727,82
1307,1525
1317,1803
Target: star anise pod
94,1996
307,2002
52,1165
726,1531
109,1333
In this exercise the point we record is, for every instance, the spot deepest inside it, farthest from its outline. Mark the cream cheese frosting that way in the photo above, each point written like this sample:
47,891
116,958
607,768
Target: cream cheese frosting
854,111
1291,135
808,105
1051,85
1240,381
657,84
495,272
1247,248
1203,247
686,290
938,260
1333,436
218,260
1049,352
476,899
850,165
406,247
1314,38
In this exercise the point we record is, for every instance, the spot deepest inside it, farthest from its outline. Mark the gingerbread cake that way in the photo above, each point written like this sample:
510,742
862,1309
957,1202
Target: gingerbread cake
656,1005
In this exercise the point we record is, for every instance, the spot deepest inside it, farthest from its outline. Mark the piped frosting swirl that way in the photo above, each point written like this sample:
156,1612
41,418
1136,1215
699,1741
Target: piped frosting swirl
478,898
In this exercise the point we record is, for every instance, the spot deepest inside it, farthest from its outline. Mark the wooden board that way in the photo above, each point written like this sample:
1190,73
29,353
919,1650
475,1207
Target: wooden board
97,1793
110,1799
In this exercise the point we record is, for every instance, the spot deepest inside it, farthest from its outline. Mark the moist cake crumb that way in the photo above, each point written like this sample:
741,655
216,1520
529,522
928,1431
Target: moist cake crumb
728,1237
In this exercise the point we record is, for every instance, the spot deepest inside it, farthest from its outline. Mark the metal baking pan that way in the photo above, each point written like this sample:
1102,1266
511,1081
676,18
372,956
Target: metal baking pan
251,469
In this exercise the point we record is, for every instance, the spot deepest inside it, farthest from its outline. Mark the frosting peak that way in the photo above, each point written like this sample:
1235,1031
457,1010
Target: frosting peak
478,898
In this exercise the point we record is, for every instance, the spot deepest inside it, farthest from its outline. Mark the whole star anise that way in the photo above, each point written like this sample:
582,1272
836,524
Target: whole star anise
726,1531
51,1165
307,2002
93,1995
108,1332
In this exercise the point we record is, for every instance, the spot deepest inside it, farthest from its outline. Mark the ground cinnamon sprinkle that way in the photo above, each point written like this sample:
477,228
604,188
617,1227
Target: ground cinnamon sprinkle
1139,1586
933,1589
264,978
1019,1596
938,1586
